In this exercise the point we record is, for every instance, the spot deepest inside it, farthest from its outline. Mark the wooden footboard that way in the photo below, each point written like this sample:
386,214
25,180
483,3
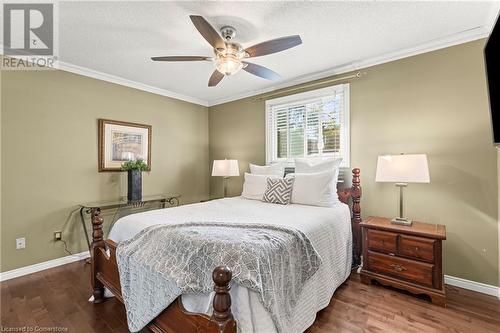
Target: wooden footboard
175,318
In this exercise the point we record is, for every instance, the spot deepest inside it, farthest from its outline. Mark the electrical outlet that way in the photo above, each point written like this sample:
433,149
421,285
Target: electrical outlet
57,236
20,243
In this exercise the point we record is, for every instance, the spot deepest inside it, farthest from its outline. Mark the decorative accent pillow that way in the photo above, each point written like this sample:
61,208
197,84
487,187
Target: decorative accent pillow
255,186
314,189
276,169
279,190
305,165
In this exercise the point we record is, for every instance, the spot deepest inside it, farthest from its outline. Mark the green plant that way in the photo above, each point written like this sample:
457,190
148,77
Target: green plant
137,164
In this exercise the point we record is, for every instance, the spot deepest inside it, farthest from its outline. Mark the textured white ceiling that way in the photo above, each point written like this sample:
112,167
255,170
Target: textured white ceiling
118,38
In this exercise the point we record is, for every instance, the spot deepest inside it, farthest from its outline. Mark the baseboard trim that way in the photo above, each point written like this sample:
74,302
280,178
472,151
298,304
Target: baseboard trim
43,266
472,285
451,280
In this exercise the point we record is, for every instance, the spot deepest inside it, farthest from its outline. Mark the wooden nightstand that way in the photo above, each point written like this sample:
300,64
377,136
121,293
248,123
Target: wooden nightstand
404,257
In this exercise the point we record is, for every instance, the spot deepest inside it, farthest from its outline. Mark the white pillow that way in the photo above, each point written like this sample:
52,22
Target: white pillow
276,169
304,165
255,186
314,189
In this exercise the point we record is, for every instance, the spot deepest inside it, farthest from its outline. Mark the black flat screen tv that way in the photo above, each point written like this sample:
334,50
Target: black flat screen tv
492,61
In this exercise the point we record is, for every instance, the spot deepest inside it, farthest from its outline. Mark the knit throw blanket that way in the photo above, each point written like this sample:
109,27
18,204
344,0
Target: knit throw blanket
164,261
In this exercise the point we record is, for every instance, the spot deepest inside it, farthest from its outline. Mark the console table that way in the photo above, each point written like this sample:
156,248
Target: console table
93,209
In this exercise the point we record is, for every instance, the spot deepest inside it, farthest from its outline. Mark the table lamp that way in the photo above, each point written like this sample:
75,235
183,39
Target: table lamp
402,169
225,169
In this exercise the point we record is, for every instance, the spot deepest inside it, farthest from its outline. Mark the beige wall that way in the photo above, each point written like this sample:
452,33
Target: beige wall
49,155
434,103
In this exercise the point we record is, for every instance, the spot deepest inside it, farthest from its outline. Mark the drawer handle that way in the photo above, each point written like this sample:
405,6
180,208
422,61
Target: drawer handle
416,248
398,268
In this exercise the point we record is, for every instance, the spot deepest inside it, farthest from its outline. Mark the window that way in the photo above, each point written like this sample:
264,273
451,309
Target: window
313,124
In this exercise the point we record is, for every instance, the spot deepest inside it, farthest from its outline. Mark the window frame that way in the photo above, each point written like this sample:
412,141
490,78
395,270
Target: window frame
271,144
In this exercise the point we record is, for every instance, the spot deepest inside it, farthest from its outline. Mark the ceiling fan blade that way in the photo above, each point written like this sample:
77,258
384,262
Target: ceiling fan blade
215,78
180,58
208,32
273,46
261,71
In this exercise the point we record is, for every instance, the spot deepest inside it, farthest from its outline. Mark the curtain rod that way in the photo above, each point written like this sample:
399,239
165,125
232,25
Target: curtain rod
285,90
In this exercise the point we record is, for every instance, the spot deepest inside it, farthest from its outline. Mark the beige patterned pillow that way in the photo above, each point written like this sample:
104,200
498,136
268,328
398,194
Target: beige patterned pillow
278,191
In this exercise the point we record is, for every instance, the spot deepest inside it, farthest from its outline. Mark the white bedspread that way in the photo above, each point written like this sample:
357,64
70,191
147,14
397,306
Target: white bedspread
329,230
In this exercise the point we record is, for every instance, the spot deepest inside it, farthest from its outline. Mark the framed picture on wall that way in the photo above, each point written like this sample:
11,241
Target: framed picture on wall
120,141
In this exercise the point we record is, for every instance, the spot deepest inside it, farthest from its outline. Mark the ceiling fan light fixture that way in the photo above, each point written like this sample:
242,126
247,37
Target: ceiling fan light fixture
230,57
228,65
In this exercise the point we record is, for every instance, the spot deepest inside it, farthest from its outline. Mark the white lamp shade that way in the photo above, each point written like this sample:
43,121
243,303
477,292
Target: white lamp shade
403,169
225,168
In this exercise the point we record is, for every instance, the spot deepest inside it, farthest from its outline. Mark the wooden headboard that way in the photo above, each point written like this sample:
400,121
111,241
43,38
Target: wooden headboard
350,195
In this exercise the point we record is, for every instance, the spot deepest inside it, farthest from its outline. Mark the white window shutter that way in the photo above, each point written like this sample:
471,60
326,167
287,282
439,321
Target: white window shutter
314,124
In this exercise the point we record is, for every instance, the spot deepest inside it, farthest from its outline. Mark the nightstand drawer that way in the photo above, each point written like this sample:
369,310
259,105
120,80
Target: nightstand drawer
413,271
382,241
417,247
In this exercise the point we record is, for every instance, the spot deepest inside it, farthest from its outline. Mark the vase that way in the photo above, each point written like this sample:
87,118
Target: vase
134,185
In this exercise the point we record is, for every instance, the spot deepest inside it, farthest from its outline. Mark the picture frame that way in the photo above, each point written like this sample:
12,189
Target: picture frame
120,141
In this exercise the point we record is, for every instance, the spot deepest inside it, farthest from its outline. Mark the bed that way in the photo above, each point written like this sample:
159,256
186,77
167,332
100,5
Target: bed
334,233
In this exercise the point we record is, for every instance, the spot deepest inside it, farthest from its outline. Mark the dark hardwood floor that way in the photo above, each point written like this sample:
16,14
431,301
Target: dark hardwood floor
58,298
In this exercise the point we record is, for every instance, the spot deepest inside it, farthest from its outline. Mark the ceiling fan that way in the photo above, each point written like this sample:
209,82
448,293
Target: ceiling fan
229,56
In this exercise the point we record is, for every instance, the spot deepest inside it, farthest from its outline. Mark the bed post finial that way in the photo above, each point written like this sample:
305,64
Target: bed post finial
222,316
356,214
97,242
97,233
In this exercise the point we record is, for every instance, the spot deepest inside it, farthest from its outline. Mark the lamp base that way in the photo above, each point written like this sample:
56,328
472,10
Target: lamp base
402,221
224,182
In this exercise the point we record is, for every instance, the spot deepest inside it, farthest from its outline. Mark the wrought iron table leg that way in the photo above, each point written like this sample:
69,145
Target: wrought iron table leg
173,201
82,218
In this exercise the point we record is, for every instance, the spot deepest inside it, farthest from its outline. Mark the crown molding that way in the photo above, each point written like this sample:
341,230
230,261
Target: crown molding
65,66
84,71
436,44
